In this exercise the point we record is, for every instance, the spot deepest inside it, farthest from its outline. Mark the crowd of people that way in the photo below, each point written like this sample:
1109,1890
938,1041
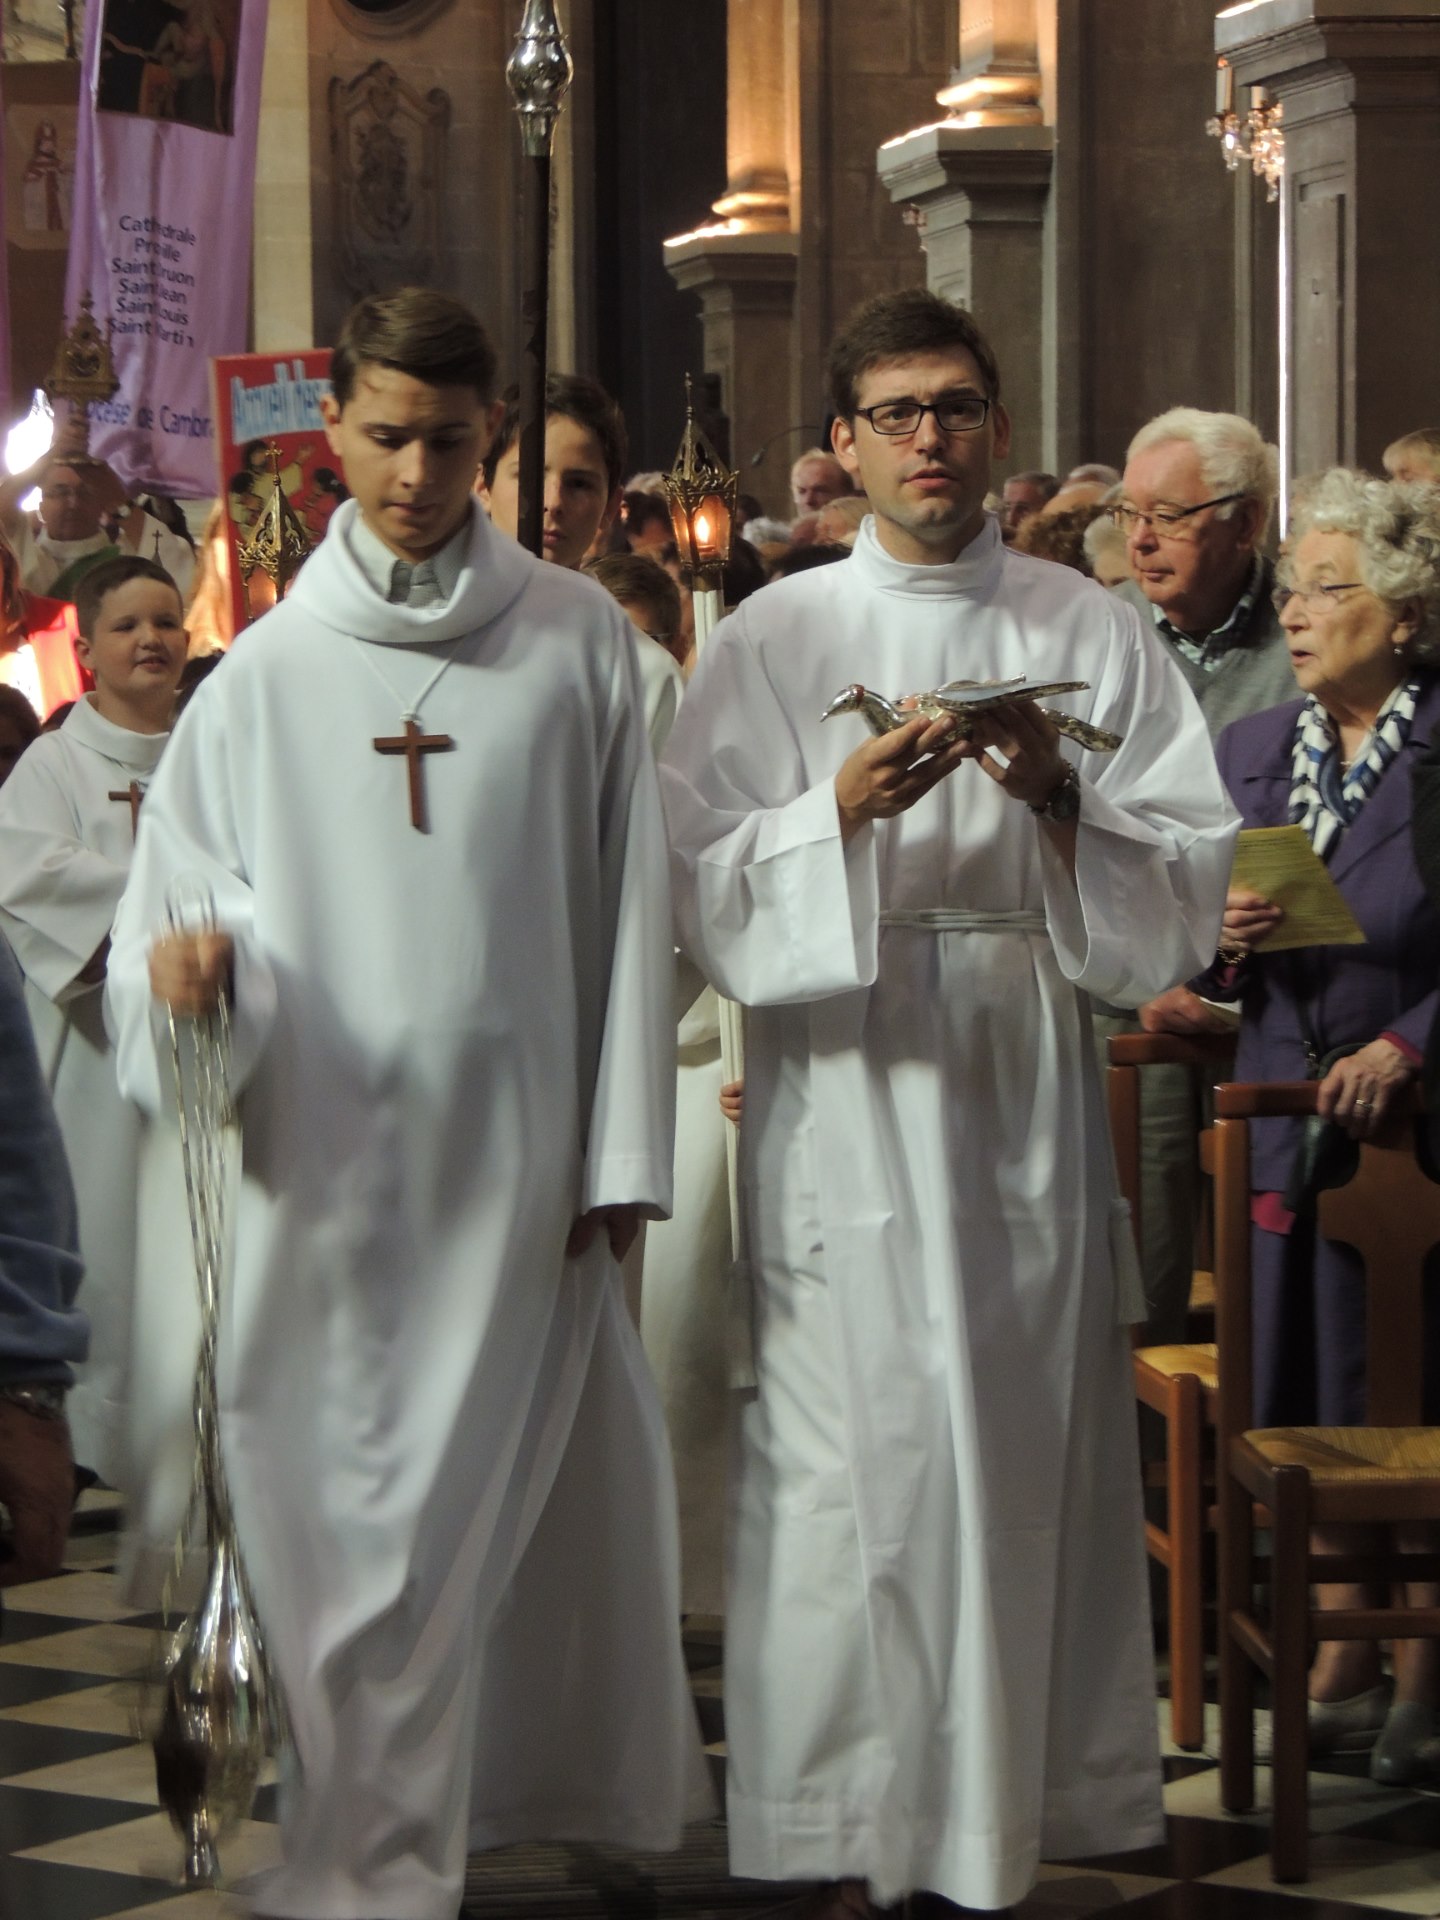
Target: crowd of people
502,1399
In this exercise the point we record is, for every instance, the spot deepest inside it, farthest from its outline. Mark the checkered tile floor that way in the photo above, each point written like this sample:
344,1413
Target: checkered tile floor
82,1837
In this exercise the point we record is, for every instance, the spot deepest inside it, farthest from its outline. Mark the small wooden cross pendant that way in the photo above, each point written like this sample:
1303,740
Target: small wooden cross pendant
413,743
134,793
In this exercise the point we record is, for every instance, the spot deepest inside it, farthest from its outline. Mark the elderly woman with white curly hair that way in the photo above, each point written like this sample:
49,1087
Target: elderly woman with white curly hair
1359,599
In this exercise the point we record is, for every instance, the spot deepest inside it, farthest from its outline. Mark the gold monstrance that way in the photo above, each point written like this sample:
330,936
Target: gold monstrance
276,550
83,370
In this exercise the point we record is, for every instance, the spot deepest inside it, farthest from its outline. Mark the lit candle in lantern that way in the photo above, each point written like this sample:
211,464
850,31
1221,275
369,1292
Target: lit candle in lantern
712,522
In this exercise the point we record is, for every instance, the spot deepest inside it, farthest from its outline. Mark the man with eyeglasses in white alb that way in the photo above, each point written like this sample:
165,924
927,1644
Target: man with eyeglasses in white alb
1195,504
937,1660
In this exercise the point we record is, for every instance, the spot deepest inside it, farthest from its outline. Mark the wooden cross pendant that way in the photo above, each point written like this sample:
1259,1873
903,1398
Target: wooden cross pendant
413,743
134,793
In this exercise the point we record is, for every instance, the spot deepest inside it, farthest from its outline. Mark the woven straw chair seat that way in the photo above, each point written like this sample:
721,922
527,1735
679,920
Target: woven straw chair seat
1199,1359
1350,1456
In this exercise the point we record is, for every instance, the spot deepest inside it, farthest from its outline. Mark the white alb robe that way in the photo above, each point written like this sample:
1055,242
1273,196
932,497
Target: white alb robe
938,1658
448,1463
43,560
65,850
661,686
685,1299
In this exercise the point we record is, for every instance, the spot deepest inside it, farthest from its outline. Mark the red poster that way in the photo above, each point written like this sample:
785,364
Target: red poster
264,400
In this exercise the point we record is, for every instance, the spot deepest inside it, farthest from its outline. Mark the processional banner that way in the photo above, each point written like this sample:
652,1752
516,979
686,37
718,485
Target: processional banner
268,421
163,209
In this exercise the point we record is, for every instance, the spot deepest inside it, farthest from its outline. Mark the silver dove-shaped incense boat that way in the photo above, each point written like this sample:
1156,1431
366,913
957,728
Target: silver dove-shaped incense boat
961,700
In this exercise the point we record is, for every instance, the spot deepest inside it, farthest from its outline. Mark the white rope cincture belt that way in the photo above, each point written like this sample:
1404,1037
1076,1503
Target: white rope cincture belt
964,920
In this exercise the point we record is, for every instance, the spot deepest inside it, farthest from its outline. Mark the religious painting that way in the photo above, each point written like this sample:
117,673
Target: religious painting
171,60
39,175
267,423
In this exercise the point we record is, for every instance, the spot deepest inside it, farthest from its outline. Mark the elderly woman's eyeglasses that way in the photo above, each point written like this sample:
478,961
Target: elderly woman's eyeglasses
1315,599
1166,523
957,413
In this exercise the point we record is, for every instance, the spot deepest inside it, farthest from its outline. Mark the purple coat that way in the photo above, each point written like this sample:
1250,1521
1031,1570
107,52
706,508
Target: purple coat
1352,994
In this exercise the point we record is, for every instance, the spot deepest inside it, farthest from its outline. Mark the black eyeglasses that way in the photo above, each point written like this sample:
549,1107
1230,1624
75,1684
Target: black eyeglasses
962,413
1165,520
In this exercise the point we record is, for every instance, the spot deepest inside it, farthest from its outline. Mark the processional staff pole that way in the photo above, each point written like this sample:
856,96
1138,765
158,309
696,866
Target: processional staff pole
538,75
703,494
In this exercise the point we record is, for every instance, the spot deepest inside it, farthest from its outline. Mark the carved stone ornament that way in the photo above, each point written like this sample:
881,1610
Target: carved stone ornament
387,146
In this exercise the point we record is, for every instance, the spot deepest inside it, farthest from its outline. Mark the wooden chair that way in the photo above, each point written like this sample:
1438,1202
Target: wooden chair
1383,1473
1178,1382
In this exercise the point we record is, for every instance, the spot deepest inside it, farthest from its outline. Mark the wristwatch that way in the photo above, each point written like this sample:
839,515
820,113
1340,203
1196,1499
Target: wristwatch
1064,799
44,1398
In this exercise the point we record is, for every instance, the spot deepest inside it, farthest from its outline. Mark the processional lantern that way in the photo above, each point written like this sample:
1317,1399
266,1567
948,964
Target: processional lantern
703,495
538,75
275,551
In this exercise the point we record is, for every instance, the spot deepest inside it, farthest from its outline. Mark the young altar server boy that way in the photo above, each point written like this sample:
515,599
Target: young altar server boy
445,937
67,831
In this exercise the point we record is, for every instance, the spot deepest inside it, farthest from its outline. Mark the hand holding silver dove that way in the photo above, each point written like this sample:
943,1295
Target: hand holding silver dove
962,701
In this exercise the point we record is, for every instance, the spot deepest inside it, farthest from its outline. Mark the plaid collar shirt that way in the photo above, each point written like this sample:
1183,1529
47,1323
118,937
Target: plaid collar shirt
1208,651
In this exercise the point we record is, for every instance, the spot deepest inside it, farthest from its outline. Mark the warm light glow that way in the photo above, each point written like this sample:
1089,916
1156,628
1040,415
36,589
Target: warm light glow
27,440
715,230
703,536
934,126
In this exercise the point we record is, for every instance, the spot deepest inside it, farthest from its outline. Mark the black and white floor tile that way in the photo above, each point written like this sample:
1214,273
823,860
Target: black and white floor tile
82,1836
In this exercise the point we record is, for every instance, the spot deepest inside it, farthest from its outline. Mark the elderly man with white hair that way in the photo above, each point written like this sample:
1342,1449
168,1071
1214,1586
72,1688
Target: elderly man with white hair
1194,504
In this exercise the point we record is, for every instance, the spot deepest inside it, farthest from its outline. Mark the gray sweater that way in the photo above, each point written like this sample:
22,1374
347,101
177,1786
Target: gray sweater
1253,675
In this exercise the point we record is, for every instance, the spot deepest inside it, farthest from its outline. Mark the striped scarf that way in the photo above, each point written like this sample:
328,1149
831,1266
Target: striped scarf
1324,800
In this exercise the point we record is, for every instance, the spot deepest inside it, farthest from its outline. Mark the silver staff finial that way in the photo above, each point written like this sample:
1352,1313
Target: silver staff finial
538,74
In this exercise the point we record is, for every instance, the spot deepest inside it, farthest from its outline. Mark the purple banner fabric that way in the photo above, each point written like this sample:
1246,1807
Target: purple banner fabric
164,205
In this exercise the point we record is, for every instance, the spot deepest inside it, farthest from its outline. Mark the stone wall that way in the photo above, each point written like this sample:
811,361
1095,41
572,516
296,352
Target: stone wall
455,211
1144,229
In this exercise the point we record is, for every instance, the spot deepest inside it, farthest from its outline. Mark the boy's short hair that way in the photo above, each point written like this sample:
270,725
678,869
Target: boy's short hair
572,397
894,326
110,574
635,580
429,335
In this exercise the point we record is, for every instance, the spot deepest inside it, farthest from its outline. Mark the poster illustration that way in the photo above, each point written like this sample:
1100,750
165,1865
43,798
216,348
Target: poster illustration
263,400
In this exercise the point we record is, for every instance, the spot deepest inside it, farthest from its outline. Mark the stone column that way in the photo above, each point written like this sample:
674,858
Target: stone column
743,265
999,66
746,284
757,160
1359,85
976,187
283,289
